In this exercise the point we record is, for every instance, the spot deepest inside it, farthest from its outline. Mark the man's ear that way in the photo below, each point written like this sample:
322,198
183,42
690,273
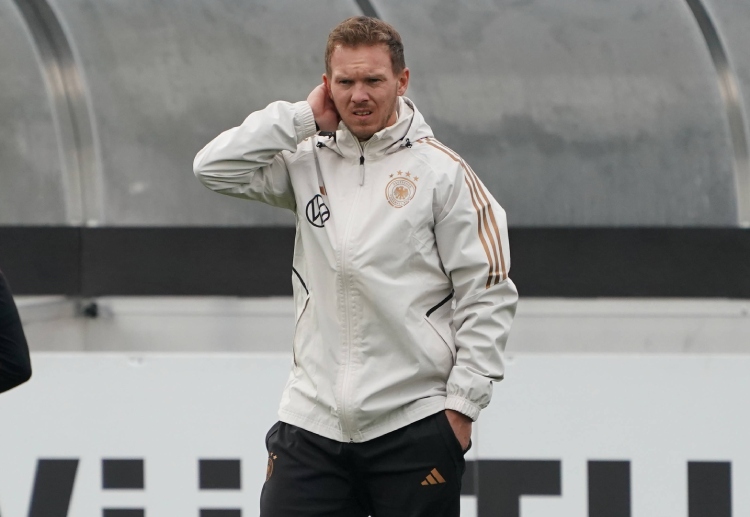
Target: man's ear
403,81
327,83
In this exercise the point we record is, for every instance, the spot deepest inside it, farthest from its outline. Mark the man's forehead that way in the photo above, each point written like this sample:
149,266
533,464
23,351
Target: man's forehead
374,57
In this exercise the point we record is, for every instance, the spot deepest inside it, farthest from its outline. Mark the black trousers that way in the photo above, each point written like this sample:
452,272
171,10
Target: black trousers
414,471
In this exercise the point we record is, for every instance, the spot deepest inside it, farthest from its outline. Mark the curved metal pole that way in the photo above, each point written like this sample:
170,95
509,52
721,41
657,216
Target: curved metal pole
69,108
730,94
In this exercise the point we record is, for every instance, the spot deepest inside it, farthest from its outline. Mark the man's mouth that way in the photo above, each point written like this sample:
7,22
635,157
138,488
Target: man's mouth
362,113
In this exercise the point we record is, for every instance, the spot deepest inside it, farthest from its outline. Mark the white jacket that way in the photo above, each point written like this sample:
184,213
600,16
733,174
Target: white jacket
387,232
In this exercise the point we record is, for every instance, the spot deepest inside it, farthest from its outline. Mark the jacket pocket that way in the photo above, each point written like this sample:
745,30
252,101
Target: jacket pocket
445,338
301,312
438,318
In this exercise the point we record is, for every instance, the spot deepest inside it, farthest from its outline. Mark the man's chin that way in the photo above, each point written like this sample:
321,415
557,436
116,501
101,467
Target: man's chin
362,134
360,130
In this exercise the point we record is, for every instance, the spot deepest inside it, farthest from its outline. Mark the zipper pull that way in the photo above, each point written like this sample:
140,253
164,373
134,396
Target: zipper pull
361,170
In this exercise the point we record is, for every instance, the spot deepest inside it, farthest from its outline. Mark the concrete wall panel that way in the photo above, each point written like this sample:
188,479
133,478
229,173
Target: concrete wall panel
166,76
732,21
31,180
576,112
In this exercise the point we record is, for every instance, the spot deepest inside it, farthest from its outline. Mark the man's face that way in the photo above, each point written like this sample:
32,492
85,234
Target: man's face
364,88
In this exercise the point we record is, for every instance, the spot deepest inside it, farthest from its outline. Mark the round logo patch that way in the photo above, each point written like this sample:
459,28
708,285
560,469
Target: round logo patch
400,191
317,211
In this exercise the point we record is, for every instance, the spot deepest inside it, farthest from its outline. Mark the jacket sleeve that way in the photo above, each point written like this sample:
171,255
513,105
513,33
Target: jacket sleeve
247,161
472,239
15,364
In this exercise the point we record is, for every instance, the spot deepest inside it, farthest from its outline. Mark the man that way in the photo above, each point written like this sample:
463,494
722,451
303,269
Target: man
403,303
15,365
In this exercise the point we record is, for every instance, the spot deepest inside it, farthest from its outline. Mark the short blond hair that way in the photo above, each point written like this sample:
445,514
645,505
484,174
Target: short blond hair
364,30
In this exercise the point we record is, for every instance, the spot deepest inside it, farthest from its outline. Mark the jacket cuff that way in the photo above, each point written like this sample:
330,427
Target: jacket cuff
463,406
304,121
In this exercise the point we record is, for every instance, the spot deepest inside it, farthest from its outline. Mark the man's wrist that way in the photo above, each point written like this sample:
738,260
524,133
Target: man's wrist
459,415
463,406
304,120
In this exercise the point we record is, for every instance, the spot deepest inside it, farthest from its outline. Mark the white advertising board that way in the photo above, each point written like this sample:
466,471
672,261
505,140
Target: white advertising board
653,433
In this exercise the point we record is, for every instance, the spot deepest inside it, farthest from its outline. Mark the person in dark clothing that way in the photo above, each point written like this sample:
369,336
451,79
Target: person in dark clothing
15,364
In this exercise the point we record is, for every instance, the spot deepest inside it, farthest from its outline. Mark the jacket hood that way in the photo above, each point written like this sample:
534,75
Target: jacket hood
409,128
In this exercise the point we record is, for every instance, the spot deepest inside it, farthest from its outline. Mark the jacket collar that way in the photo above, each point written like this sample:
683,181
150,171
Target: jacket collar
409,127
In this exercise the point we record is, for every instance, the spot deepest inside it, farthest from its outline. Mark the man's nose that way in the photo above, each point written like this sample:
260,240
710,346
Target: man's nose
360,95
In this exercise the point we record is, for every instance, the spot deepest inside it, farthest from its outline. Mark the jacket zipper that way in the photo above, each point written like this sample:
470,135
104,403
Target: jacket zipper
344,274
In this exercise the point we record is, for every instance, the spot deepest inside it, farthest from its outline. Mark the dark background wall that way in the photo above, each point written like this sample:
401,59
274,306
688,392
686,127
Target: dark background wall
550,262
